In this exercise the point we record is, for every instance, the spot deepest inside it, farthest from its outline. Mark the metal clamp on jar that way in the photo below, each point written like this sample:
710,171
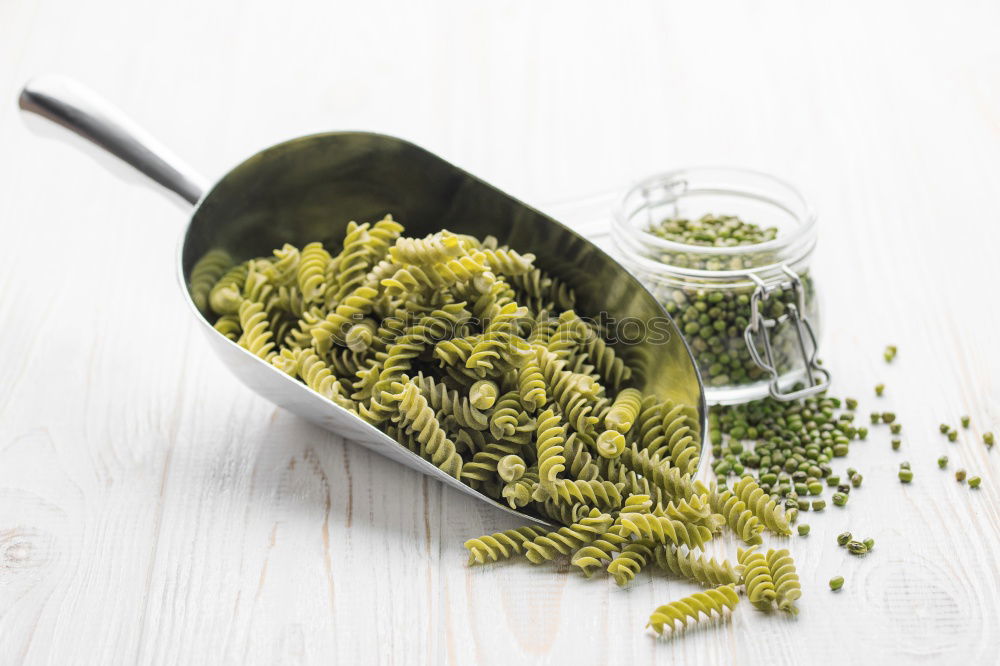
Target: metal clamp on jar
749,311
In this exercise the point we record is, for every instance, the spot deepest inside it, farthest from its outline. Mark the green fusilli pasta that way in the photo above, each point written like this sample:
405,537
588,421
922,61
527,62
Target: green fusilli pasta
692,607
550,438
663,530
205,274
785,578
757,578
630,561
697,568
501,545
739,518
762,505
470,356
567,539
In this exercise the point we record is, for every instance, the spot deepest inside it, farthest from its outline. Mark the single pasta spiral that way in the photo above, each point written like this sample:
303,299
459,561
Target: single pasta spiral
630,561
603,495
700,569
761,505
501,545
511,468
785,578
205,274
665,530
417,415
692,607
567,539
757,578
624,410
739,518
550,438
597,553
483,394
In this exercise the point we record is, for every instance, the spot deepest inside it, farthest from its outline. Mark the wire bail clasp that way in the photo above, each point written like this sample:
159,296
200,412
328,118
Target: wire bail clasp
759,331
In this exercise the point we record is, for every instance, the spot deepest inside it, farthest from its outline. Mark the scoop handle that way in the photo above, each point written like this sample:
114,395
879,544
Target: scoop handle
84,112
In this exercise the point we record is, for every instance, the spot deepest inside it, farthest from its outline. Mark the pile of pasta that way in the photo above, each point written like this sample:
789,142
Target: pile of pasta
473,358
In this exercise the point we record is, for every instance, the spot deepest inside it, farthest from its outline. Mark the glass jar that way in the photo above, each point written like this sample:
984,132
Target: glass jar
750,313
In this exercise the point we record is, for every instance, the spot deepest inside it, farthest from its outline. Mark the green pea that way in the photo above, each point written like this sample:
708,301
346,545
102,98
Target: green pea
905,475
944,428
856,480
943,462
836,583
803,529
818,504
876,418
843,538
896,443
839,499
974,481
869,543
879,389
894,428
988,438
857,548
862,433
888,417
965,421
952,435
960,476
832,480
904,465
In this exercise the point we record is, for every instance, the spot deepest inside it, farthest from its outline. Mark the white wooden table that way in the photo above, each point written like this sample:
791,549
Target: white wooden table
152,510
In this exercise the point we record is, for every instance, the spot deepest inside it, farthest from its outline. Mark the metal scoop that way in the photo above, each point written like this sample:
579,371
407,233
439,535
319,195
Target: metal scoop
307,189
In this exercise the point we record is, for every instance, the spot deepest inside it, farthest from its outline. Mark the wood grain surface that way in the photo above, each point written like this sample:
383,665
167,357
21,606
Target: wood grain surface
154,511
